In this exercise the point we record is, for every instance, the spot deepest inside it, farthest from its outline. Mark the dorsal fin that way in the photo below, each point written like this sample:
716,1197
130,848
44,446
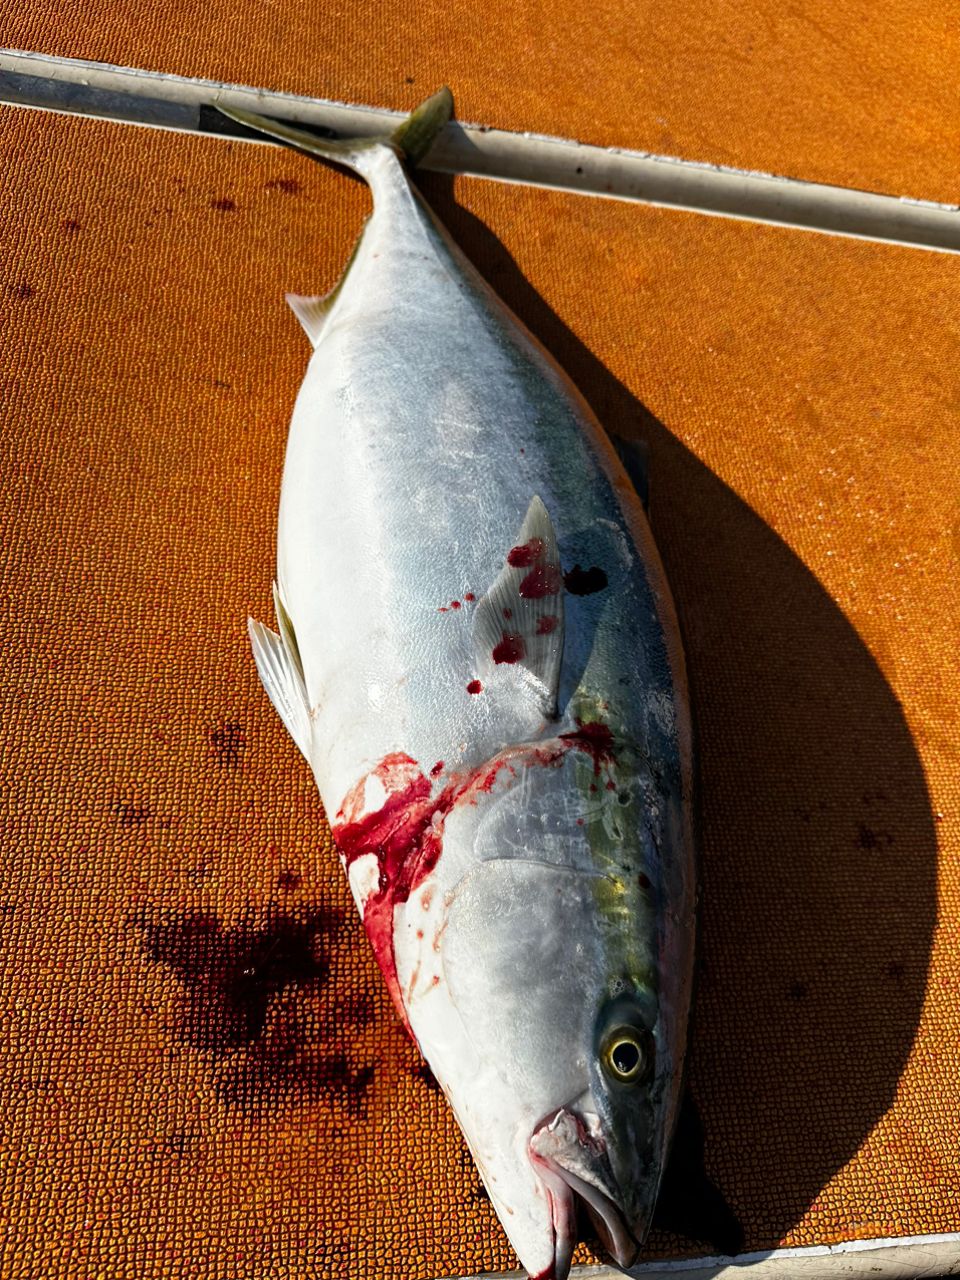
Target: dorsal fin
518,626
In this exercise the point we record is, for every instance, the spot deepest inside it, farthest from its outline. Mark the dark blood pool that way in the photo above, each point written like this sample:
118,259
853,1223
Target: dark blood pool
454,604
437,769
474,687
542,581
405,834
526,554
584,582
546,624
510,649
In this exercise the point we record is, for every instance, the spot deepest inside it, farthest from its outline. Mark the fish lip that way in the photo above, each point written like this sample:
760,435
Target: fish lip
565,1132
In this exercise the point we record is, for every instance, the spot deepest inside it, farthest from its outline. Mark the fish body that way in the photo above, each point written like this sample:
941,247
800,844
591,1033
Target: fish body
478,656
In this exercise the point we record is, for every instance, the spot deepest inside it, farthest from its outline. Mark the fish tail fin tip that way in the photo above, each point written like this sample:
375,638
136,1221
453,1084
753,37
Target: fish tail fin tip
417,134
412,139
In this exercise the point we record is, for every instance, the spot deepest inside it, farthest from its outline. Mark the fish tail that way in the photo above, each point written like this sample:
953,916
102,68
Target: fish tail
412,139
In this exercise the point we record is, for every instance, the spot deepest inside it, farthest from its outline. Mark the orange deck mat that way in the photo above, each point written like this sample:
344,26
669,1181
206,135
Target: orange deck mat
201,1073
842,91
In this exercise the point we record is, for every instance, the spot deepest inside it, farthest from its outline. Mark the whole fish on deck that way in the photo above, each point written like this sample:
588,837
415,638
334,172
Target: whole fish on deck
478,656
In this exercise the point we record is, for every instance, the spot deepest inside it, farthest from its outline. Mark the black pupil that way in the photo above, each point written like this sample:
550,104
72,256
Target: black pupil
625,1057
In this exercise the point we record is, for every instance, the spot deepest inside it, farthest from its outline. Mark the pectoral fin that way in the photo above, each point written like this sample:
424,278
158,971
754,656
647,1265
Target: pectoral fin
518,626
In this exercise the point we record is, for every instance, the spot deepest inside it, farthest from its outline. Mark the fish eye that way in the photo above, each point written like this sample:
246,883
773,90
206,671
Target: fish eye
626,1054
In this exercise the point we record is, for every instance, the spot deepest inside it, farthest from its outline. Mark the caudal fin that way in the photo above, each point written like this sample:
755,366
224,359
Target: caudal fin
412,139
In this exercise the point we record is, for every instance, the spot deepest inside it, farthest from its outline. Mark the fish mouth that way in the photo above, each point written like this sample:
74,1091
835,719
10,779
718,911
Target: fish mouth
573,1165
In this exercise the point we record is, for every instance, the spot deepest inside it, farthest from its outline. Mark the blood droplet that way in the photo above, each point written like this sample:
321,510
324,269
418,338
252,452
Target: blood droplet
526,554
510,649
474,687
542,581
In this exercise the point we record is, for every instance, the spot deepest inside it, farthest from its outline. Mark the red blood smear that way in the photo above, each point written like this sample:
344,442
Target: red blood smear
470,596
542,581
508,614
474,687
454,604
510,649
406,836
594,739
546,624
406,833
526,554
437,769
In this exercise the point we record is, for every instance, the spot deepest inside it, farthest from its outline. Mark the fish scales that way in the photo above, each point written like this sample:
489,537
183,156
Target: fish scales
505,763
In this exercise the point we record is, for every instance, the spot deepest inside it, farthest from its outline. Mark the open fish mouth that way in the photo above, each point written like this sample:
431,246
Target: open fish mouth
573,1166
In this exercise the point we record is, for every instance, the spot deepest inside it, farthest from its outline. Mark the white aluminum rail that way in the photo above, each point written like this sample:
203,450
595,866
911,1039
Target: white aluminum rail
896,1258
162,101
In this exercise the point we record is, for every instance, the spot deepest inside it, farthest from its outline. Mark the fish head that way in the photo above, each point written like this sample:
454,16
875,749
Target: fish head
600,1155
552,1032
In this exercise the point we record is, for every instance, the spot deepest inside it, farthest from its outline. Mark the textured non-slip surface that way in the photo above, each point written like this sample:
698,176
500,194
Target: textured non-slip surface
201,1074
849,92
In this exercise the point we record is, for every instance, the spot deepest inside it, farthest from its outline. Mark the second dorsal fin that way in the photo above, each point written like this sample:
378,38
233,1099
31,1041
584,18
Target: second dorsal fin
518,626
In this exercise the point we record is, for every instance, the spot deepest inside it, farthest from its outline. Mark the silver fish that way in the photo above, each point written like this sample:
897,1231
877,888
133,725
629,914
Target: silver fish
479,658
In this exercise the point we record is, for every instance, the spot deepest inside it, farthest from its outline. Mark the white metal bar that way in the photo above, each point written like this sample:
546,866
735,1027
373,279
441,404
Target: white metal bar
175,102
896,1258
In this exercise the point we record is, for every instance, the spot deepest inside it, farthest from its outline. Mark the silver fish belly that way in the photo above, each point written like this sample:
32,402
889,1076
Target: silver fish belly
479,657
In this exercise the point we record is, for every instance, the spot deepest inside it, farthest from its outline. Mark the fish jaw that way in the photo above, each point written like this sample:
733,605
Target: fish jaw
570,1155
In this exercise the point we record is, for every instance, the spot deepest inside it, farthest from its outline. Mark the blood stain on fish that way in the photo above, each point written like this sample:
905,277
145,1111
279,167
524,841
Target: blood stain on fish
510,649
546,624
454,604
405,834
223,205
474,687
543,580
526,554
469,596
584,582
437,769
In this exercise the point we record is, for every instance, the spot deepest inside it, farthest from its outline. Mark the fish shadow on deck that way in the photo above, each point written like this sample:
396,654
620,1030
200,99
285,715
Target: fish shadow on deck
818,846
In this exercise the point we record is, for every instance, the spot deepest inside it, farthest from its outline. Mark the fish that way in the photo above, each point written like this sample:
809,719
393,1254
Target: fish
477,652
